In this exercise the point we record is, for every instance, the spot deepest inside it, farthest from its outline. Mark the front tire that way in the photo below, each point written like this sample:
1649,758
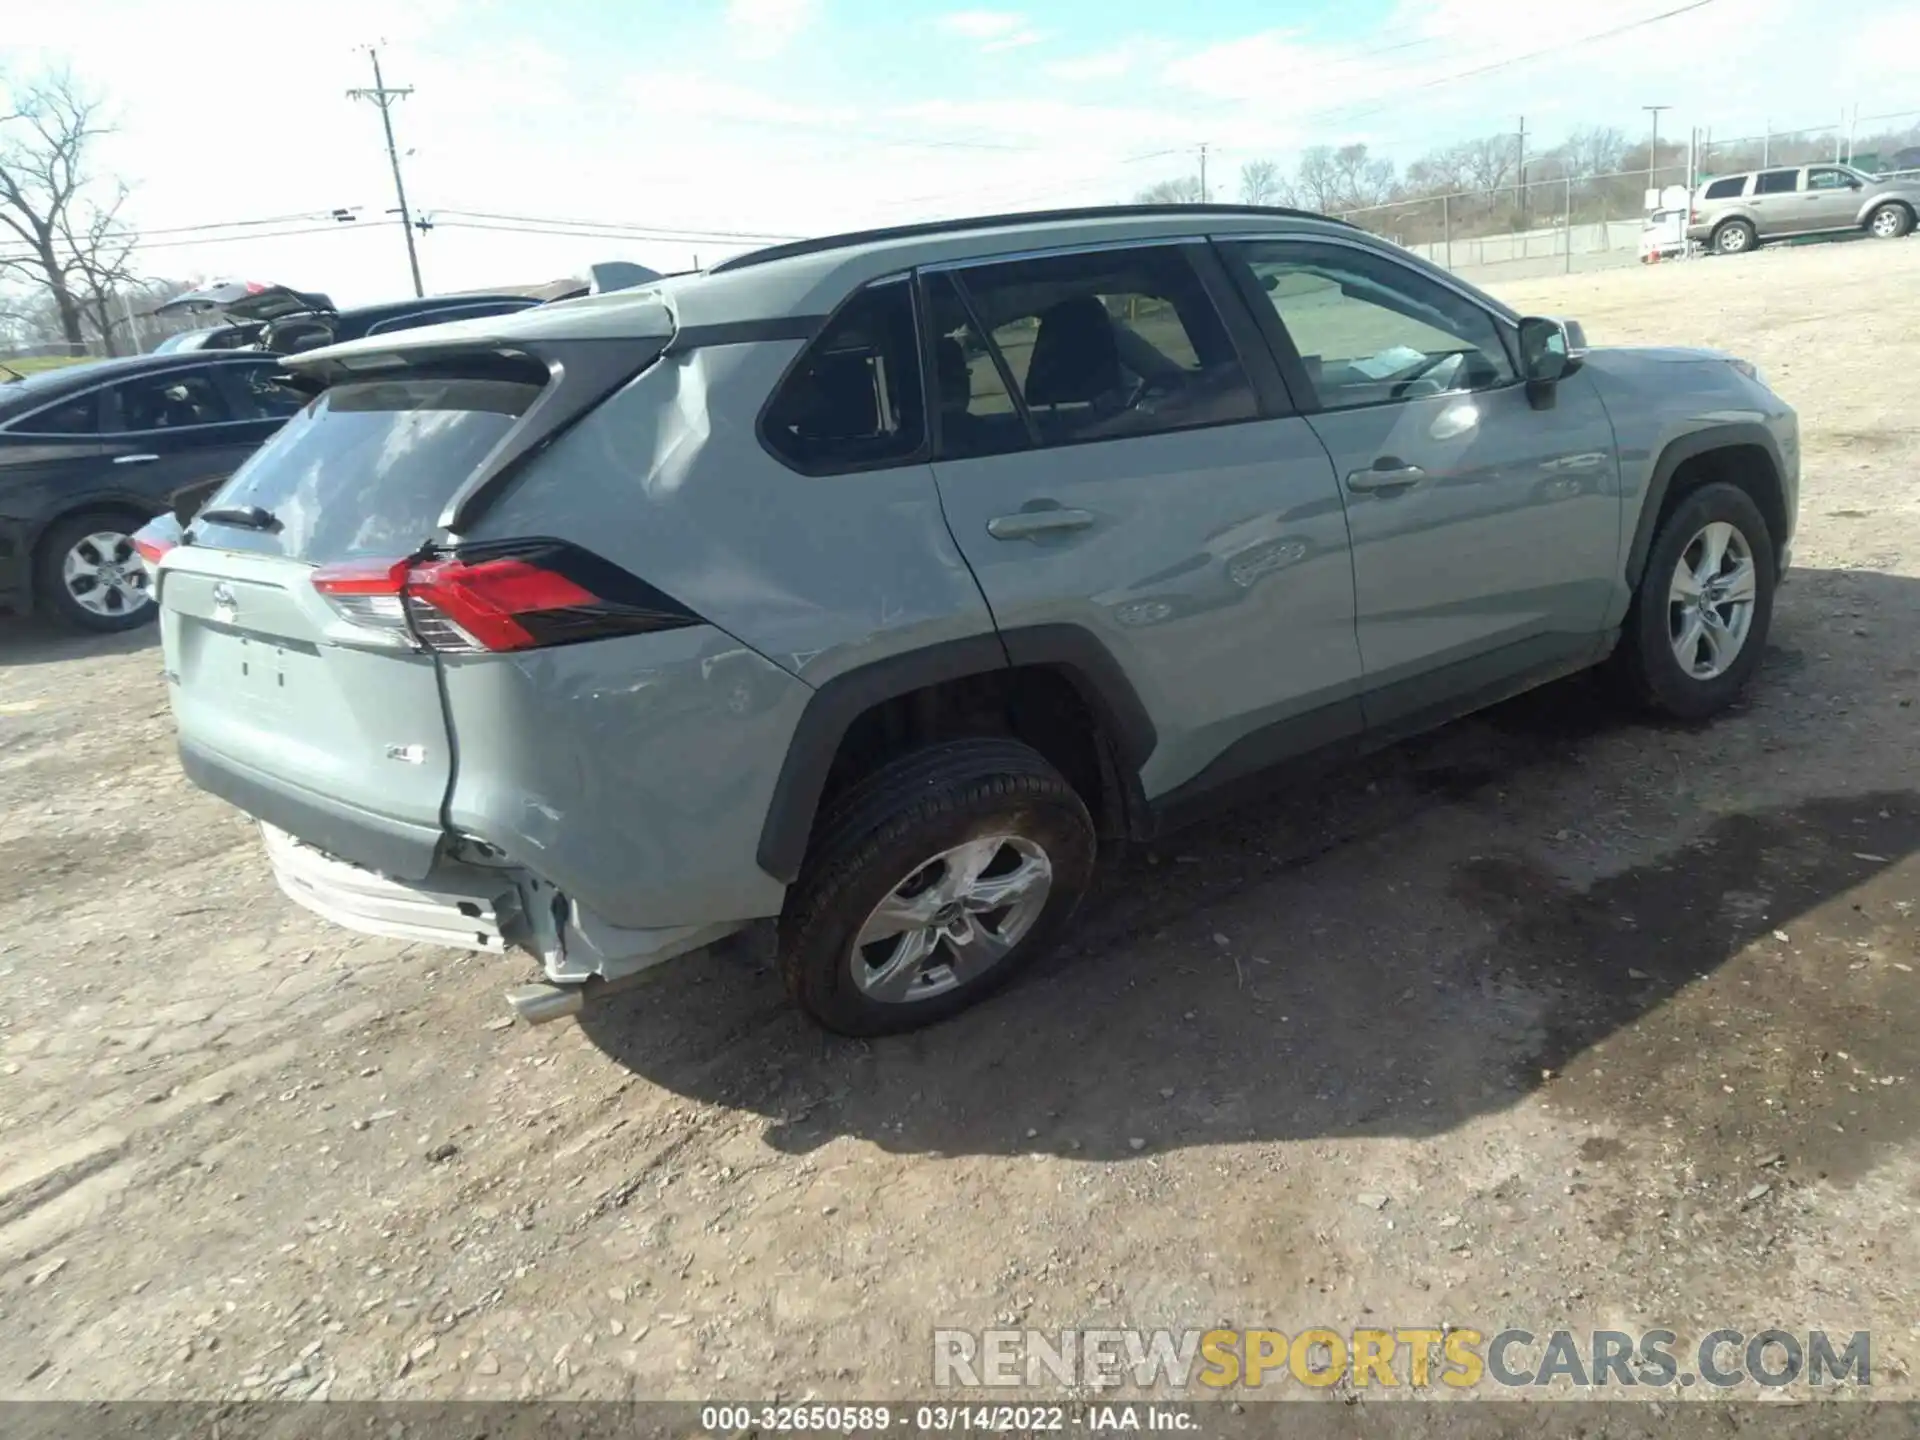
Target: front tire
89,576
1736,237
1699,620
1890,221
931,883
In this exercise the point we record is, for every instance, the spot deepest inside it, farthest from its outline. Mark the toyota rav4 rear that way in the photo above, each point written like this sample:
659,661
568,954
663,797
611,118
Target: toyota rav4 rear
344,670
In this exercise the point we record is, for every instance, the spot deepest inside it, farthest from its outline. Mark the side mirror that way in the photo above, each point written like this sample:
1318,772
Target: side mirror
1550,350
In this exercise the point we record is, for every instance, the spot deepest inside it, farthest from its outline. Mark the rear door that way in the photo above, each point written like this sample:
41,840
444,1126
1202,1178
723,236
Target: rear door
1776,203
329,729
1485,532
1116,453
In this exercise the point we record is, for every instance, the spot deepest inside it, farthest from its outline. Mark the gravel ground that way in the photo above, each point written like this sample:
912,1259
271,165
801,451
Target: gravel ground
1553,1018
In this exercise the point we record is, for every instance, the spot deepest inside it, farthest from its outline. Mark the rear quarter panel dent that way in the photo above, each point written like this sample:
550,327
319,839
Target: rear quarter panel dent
634,774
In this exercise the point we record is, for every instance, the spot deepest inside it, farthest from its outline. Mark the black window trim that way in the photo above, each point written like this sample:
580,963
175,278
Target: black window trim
99,389
1196,250
1000,366
922,453
1798,172
1287,354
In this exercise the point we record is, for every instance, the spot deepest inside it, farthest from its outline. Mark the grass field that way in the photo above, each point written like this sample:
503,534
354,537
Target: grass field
33,364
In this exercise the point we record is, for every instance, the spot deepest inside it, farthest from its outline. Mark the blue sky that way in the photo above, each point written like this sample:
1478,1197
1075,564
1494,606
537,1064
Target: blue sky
774,117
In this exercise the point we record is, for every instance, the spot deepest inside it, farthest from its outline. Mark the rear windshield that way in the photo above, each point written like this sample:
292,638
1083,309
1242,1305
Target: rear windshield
365,470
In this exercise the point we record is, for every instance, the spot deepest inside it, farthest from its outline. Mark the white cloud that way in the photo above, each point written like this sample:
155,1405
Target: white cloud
991,30
763,28
1115,62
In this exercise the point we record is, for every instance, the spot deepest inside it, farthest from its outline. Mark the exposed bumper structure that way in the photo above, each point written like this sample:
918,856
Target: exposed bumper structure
471,909
465,916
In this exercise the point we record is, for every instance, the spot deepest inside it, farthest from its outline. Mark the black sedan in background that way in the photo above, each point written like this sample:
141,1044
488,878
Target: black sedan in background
90,453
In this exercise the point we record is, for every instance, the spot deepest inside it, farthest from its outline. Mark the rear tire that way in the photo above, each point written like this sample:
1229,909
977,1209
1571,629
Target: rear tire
1890,221
908,860
1698,623
1736,237
89,577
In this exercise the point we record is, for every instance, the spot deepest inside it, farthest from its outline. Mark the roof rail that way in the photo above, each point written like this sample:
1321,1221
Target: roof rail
994,222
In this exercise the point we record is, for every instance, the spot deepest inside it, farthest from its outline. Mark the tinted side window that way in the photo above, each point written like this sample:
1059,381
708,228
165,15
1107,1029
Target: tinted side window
270,398
1371,331
171,401
1777,182
853,401
1097,346
1727,189
80,416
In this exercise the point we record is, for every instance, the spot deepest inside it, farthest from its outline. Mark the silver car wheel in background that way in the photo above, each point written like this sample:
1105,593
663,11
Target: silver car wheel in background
1886,222
953,919
104,575
1710,601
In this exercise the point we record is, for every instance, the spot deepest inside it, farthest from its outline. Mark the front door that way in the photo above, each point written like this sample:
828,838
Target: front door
1486,533
1831,200
179,431
1116,455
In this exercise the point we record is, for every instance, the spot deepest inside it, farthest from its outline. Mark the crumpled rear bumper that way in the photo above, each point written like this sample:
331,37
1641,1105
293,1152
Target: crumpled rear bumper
466,914
474,908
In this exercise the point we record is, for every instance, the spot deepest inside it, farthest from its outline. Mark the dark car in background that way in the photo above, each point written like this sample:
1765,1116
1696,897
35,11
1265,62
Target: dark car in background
289,321
89,454
211,337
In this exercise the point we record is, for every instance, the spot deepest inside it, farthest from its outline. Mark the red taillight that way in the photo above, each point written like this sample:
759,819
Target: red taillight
151,549
534,595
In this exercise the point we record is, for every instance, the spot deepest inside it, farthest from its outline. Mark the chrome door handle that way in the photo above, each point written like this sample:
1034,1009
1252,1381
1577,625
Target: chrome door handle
1386,477
134,459
1029,523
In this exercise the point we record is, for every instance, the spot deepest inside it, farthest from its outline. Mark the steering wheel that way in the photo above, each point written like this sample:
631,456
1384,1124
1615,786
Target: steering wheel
1456,358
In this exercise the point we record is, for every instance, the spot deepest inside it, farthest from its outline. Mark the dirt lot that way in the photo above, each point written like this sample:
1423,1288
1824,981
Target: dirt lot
1611,1025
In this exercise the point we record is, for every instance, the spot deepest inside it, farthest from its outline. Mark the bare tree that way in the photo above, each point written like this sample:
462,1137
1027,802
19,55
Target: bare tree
1318,179
74,249
101,257
1184,190
1362,181
1594,150
1260,183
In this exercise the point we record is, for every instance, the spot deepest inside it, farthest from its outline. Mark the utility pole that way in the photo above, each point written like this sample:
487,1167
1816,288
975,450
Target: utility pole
384,98
1653,146
1203,173
1520,174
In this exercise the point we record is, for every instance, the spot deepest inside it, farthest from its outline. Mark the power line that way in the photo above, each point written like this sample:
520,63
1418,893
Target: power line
673,232
1513,60
384,98
224,239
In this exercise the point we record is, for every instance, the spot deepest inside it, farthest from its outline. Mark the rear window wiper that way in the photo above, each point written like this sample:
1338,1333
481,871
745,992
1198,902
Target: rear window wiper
246,517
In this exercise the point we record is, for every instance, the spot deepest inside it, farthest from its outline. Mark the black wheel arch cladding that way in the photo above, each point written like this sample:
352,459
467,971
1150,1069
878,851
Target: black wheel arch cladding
1079,655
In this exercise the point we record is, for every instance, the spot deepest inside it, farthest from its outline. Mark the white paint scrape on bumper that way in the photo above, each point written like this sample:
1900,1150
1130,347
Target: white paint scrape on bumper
465,916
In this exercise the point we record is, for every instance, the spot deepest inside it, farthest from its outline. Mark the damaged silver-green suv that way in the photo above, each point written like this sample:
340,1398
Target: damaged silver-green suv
868,585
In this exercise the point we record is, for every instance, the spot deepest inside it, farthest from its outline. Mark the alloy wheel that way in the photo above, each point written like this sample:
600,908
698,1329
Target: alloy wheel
1710,601
953,919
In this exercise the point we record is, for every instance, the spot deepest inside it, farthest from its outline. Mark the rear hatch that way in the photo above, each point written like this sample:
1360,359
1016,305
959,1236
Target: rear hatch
302,613
249,300
329,729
